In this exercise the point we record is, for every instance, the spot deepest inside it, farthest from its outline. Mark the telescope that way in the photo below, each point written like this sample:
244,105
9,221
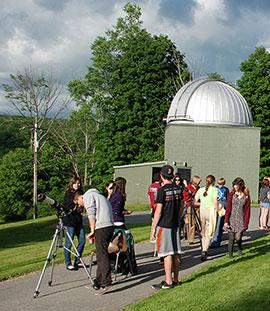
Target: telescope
60,231
61,212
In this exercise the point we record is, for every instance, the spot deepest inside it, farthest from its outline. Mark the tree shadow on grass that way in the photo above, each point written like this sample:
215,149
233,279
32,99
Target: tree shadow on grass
27,234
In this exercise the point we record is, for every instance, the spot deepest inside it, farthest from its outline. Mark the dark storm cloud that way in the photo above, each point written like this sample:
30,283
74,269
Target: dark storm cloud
179,10
236,8
224,61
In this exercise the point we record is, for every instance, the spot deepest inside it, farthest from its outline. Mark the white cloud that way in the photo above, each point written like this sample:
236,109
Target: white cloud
52,36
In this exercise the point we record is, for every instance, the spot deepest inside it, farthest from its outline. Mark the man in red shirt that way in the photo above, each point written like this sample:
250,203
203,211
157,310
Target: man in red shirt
152,193
189,193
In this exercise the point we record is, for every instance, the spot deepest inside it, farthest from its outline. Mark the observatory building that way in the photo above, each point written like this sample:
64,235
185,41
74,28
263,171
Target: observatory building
209,131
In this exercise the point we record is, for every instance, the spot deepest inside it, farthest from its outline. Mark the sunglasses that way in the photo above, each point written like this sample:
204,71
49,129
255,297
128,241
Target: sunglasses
110,188
177,179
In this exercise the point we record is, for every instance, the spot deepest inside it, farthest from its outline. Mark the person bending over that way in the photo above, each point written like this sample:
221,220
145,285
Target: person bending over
100,218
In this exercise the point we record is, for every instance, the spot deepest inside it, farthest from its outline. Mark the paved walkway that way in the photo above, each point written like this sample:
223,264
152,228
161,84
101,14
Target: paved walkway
69,292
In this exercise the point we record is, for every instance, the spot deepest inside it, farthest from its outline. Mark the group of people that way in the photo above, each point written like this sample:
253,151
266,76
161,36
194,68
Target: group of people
212,208
105,212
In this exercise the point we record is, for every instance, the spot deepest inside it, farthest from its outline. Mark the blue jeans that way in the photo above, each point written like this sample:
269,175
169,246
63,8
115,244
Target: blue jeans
79,232
218,231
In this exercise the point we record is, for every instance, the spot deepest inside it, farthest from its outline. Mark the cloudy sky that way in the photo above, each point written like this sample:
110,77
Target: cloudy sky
55,35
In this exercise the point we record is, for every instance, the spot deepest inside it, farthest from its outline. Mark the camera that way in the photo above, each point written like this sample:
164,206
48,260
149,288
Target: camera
61,212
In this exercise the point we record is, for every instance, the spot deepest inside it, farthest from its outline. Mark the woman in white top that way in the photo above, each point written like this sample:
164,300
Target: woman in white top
207,199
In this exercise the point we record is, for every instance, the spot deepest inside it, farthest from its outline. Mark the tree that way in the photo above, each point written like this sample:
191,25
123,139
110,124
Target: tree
130,83
15,184
254,85
75,137
35,97
215,76
16,181
13,134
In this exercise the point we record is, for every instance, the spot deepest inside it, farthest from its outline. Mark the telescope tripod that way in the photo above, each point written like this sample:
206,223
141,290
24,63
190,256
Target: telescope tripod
57,242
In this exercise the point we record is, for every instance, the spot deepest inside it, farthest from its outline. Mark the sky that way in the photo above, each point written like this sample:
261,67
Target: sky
56,35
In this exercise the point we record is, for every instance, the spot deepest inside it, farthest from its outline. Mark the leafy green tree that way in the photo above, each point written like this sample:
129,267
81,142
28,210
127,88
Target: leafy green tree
215,76
254,85
129,85
35,96
55,169
16,186
13,134
75,137
16,181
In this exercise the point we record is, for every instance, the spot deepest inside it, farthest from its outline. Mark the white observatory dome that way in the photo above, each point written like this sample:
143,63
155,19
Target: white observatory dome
206,101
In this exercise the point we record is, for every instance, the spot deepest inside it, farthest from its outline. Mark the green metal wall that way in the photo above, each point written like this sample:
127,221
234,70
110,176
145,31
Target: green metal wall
223,151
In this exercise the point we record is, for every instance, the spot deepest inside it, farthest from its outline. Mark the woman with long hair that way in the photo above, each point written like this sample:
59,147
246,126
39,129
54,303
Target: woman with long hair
109,189
207,198
73,222
237,214
179,181
116,194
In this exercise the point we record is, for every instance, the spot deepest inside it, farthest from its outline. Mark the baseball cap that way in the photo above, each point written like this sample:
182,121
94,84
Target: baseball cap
167,171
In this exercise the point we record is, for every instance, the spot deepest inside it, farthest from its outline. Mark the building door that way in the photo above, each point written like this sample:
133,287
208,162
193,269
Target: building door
155,171
185,173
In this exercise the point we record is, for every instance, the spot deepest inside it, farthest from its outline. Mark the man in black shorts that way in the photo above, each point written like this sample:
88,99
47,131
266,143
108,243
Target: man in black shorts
166,227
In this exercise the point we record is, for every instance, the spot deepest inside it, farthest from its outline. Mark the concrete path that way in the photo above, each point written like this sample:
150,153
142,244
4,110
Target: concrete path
69,289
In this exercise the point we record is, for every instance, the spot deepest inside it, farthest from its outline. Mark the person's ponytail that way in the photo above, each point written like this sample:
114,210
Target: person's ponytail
210,181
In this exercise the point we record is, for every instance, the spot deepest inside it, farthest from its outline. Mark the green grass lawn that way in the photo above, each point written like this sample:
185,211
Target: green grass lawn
138,207
24,245
240,284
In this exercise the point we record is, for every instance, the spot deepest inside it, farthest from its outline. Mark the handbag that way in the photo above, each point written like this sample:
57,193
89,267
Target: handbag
222,212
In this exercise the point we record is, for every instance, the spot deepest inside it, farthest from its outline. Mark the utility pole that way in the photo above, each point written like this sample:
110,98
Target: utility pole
35,170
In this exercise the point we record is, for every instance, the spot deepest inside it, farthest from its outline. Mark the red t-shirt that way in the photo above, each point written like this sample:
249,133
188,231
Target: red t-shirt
152,194
189,193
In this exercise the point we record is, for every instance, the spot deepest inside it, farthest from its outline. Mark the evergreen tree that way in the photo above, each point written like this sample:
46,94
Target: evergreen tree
130,85
254,85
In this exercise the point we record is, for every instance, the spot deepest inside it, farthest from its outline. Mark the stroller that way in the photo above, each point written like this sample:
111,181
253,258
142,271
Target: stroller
122,253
